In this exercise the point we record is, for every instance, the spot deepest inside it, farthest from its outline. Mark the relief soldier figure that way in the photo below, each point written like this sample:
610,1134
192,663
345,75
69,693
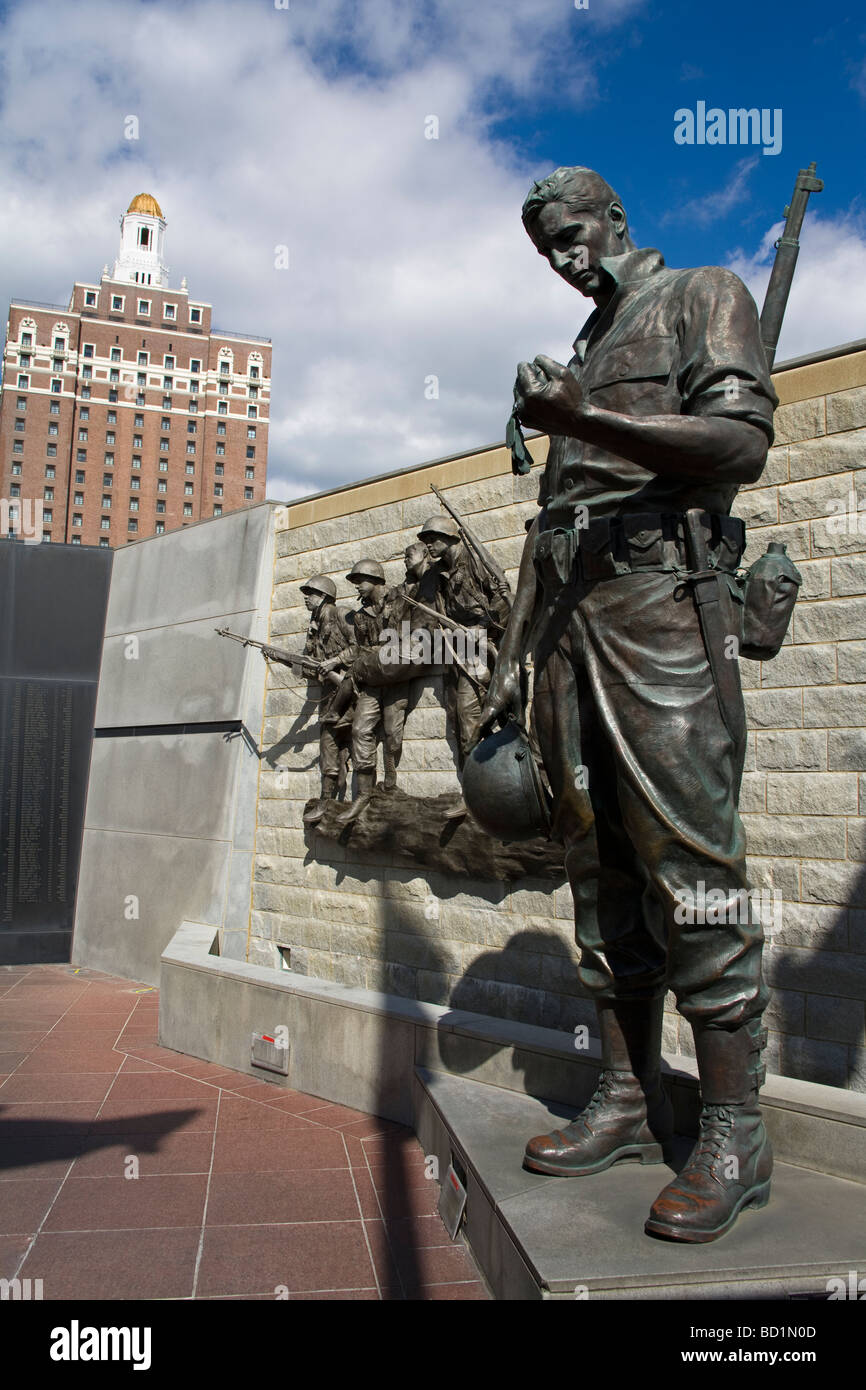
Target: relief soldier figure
474,596
328,643
663,412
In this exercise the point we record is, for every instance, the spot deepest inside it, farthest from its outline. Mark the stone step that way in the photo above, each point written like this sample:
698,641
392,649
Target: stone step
537,1237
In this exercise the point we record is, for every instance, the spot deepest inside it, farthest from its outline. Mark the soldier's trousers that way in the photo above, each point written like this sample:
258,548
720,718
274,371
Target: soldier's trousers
387,704
646,778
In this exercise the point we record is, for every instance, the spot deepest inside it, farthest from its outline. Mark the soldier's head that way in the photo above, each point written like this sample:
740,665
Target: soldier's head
575,219
318,590
416,559
438,534
368,578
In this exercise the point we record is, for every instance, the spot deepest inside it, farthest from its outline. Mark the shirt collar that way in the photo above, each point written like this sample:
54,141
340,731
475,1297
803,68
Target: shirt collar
630,268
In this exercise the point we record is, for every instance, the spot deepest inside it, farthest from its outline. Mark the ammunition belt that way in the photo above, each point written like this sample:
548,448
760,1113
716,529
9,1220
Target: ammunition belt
637,541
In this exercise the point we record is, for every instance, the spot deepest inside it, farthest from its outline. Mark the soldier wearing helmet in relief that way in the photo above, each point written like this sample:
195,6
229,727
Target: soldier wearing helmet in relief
329,641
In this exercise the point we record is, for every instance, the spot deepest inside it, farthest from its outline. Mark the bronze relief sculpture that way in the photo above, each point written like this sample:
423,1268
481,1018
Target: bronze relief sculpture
626,586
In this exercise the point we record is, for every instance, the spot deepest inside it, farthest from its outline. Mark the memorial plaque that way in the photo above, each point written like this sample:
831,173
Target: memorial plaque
52,605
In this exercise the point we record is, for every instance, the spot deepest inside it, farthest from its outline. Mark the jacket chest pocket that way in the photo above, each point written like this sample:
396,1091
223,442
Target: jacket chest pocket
634,367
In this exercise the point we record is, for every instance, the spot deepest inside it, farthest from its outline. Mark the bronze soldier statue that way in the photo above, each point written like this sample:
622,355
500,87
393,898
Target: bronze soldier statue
663,412
472,597
329,642
395,698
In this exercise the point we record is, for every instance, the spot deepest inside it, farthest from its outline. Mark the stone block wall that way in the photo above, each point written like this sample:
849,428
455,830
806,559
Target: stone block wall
508,950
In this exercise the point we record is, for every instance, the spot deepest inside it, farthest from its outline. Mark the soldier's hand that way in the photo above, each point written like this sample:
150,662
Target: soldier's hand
331,664
504,696
548,396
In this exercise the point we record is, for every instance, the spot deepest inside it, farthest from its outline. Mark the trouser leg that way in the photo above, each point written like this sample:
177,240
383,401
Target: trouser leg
365,726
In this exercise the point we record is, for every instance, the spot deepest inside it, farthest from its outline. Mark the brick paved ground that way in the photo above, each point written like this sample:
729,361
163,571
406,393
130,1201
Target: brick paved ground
243,1188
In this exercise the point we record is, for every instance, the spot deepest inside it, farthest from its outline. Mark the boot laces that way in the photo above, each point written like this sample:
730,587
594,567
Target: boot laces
717,1123
603,1091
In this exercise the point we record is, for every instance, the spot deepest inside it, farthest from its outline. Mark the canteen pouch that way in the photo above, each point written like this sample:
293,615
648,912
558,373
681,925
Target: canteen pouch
770,590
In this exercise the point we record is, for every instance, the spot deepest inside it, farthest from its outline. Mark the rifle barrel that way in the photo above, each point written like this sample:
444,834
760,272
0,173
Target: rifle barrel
787,251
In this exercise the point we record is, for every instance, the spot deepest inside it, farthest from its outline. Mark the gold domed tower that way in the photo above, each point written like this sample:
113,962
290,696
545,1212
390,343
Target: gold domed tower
142,232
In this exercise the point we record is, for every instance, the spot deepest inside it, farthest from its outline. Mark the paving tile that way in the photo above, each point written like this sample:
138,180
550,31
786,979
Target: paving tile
179,1152
10,1060
452,1292
337,1295
24,1119
318,1255
67,1086
23,1039
146,1116
237,1151
103,1203
158,1085
80,1058
12,1251
264,1198
368,1200
239,1114
24,1202
114,1264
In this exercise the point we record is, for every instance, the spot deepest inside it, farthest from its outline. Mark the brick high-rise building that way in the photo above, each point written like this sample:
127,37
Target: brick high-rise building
124,413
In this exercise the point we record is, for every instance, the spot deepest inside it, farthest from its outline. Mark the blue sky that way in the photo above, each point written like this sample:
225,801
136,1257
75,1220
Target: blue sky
305,126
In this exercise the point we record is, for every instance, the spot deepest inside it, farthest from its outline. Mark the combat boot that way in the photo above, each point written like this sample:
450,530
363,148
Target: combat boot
365,784
317,810
389,782
730,1166
630,1115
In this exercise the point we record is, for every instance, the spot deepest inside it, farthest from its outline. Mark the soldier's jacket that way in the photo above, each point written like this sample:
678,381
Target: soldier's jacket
423,590
368,620
468,594
669,342
328,633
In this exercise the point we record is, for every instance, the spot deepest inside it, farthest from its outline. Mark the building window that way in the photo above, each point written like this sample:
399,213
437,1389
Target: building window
132,524
59,344
165,422
225,367
168,363
23,383
167,383
217,489
50,470
160,507
89,298
57,364
113,374
26,339
79,475
249,472
159,528
16,468
141,379
85,393
51,450
105,523
219,469
188,489
48,494
84,412
191,427
136,441
103,543
139,399
217,511
133,504
76,519
78,499
248,494
109,436
53,429
143,359
112,395
193,405
254,373
117,302
144,306
76,540
15,491
195,366
190,448
108,460
221,429
107,480
18,446
163,465
252,412
87,350
47,514
220,448
115,355
169,311
162,485
163,445
195,315
223,388
135,482
56,386
87,373
166,402
190,468
254,393
187,509
222,408
21,403
251,451
106,503
24,359
138,421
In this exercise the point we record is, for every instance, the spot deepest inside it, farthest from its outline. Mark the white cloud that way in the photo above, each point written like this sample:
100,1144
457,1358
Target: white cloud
825,307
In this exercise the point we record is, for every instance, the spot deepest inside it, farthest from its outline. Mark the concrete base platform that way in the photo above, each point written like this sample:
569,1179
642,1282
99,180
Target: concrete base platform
538,1237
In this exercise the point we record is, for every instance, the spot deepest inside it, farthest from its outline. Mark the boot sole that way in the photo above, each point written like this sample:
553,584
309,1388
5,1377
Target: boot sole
757,1197
641,1153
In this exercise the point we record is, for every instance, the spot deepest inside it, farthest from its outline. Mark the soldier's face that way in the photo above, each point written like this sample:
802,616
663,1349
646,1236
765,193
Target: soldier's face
312,601
365,587
574,243
436,546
